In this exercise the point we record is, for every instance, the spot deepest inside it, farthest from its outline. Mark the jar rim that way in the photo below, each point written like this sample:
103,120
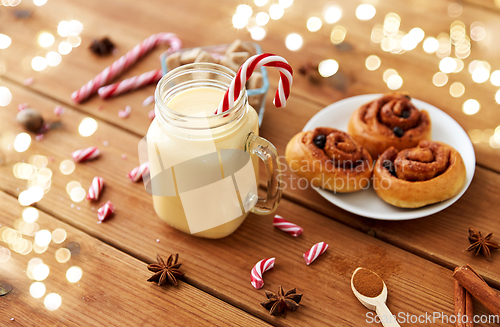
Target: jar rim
208,67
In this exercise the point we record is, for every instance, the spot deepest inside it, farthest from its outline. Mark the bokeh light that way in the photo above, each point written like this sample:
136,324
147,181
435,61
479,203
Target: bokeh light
4,254
46,39
332,14
37,290
480,74
276,11
74,274
65,48
372,62
260,3
22,142
431,45
394,82
314,24
30,215
293,41
457,89
477,31
440,79
497,97
38,63
77,194
87,127
244,10
71,185
43,238
53,58
471,107
365,11
338,34
59,235
392,21
67,167
388,73
63,255
495,78
39,2
285,3
258,33
52,301
328,67
447,65
262,18
41,272
5,96
5,41
239,21
74,40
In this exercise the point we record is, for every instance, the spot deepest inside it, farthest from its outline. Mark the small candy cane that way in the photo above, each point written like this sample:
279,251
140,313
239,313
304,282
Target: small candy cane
261,267
105,211
125,113
315,251
95,189
148,100
58,110
138,172
246,70
124,62
130,84
287,226
86,154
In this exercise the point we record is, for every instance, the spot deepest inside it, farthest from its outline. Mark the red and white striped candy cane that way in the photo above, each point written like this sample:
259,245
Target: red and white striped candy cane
95,189
86,154
105,211
246,70
124,62
261,267
314,252
137,173
287,226
130,84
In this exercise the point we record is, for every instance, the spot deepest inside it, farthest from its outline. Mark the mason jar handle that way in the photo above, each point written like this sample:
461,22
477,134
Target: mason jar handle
266,151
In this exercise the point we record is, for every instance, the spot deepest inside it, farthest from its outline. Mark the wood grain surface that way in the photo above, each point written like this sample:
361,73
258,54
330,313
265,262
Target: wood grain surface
104,296
415,258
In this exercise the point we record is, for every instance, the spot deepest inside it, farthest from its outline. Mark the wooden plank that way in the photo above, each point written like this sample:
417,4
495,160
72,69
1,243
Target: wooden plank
112,291
222,267
416,67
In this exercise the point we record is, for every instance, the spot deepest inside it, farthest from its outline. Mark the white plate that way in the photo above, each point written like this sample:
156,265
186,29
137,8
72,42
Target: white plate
367,203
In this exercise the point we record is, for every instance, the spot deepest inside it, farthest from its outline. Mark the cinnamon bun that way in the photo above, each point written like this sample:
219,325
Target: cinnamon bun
330,159
391,120
429,173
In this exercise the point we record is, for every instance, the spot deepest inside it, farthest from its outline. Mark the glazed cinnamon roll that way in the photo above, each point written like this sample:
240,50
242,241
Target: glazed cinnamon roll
330,159
429,173
391,120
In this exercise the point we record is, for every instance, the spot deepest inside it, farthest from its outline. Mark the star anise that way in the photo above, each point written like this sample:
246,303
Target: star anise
164,273
481,244
102,47
278,304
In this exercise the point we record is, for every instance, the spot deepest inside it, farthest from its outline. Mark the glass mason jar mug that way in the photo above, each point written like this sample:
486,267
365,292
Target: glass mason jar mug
204,168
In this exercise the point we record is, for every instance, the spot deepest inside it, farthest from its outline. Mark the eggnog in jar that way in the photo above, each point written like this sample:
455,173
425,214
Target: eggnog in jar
204,167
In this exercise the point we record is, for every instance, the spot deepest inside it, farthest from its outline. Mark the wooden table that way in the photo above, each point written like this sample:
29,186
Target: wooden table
416,258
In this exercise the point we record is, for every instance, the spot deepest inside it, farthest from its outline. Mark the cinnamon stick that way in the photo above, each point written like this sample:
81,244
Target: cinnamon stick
469,311
478,288
460,307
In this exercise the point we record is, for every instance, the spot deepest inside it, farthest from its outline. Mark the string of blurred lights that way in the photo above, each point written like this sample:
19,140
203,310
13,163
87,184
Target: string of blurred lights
390,39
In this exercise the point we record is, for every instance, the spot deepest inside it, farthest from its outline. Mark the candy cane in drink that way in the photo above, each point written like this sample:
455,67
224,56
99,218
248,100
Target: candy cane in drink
246,70
124,62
